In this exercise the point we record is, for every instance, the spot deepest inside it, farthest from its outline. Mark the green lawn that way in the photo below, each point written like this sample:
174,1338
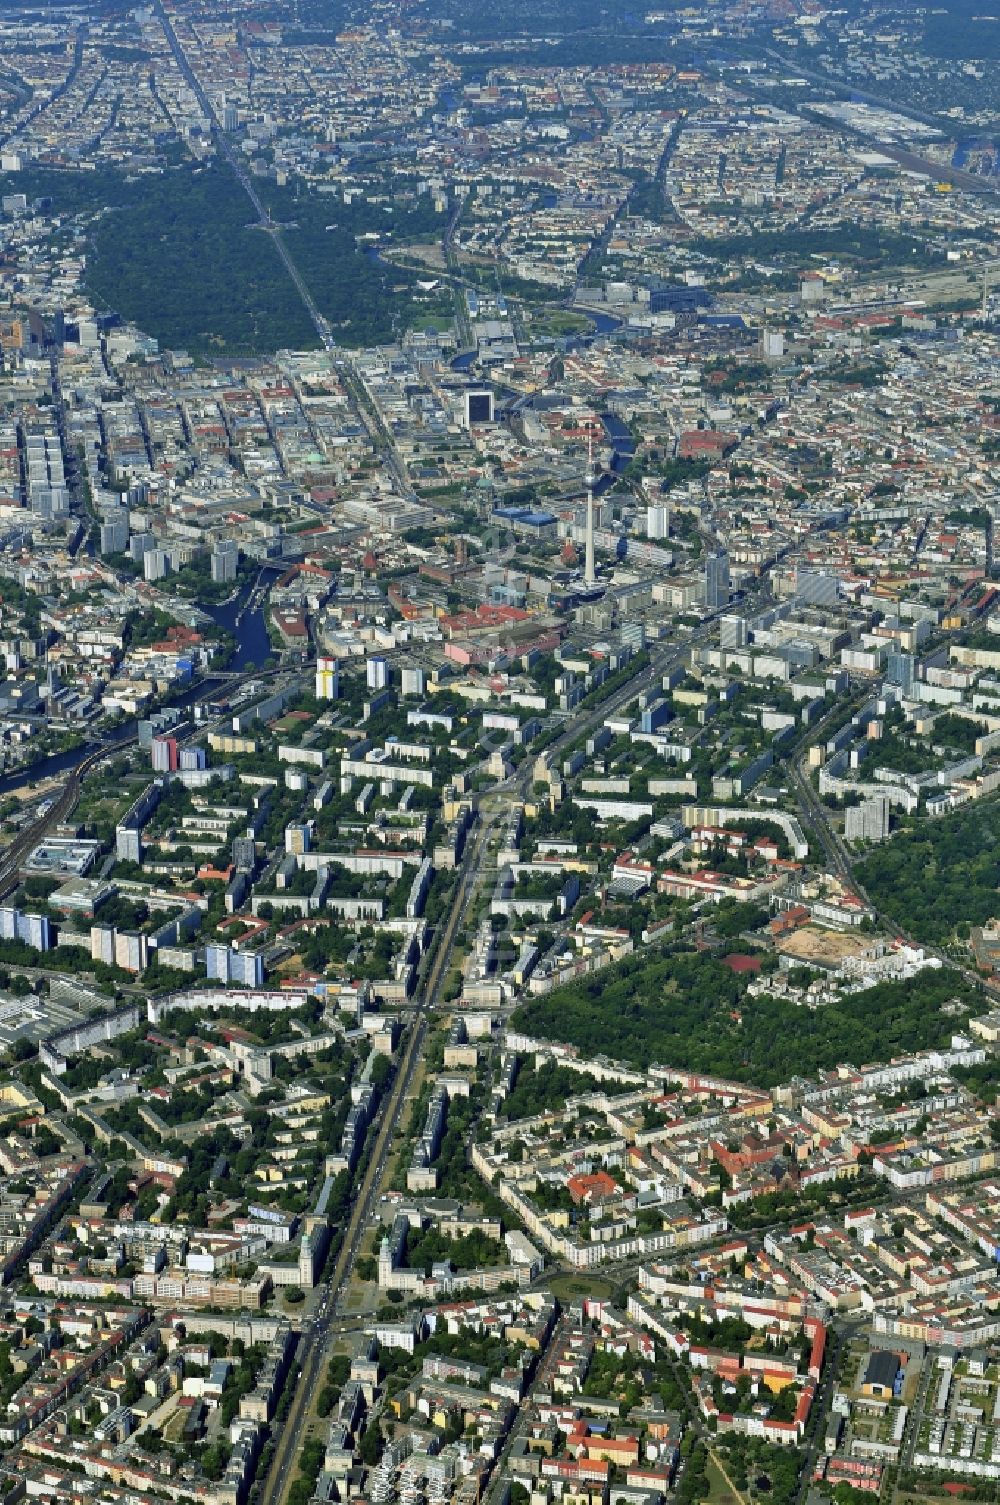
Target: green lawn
719,1491
576,1287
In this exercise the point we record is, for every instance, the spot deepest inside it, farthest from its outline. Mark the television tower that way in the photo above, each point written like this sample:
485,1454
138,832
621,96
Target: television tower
589,573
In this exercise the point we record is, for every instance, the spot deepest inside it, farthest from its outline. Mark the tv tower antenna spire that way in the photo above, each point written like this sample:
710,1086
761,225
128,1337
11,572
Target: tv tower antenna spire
589,572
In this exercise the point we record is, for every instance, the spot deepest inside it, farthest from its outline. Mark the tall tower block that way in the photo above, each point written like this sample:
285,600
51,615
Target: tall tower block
589,572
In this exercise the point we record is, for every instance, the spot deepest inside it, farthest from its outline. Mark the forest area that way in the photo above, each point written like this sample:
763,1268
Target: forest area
179,253
687,1010
940,878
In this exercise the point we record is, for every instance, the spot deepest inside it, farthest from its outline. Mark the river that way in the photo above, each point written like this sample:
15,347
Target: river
620,436
252,642
603,324
253,646
970,146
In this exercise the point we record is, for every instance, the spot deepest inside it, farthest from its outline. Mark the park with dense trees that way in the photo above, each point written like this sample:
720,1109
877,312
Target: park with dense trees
686,1009
181,254
941,876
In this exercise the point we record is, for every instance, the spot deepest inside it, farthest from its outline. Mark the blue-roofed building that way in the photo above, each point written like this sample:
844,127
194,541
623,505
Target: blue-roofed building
530,522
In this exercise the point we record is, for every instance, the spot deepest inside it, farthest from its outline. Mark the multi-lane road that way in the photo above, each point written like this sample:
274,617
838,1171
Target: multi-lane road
325,1328
242,175
322,1333
381,439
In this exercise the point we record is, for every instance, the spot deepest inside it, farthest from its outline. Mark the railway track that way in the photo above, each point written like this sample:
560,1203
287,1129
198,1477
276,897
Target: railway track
14,854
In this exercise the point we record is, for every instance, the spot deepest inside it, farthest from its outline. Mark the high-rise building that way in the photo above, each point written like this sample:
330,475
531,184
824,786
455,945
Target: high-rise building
163,753
58,501
217,961
32,929
9,917
327,679
478,407
901,670
114,534
413,682
191,757
868,821
47,492
128,843
155,564
131,951
225,561
297,839
816,587
102,944
244,851
247,968
159,723
589,568
716,581
658,521
310,1261
732,632
377,671
225,964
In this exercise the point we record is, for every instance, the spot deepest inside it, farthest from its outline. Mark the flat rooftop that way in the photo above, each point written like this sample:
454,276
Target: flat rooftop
59,856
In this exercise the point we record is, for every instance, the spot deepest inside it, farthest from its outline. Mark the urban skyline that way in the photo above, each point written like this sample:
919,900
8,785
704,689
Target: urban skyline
499,753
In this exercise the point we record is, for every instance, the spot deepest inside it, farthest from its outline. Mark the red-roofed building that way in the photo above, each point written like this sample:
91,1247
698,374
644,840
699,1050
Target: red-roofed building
484,619
621,1451
592,1190
705,444
790,919
292,627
